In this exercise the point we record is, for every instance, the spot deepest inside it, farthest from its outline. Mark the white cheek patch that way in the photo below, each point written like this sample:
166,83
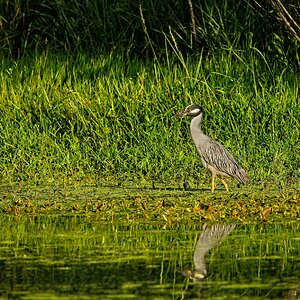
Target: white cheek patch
195,111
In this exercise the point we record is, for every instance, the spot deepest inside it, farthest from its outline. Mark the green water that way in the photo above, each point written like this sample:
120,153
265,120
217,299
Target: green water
78,257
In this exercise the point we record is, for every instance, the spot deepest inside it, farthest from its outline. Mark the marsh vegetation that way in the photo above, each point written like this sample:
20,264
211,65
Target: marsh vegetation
110,116
83,102
102,193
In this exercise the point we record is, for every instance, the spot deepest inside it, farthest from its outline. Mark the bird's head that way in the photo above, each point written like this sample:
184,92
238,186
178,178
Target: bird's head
192,110
198,275
195,275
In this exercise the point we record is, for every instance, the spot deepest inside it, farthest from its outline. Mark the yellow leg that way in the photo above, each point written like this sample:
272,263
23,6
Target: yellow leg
212,183
225,184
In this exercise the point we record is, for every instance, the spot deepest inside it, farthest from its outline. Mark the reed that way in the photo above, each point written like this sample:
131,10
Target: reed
73,25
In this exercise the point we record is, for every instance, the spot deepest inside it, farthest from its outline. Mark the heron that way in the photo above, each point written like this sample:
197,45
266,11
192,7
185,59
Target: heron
214,156
209,238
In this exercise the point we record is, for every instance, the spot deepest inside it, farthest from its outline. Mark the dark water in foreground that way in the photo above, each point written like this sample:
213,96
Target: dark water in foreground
64,257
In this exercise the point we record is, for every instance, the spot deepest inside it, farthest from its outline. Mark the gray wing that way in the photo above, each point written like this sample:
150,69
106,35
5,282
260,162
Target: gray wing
218,157
209,238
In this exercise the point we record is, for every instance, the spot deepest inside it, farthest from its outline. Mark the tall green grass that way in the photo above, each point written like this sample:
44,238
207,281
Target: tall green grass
109,116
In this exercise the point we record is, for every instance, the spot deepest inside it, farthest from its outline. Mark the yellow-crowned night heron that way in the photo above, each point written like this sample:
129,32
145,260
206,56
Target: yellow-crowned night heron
214,156
209,238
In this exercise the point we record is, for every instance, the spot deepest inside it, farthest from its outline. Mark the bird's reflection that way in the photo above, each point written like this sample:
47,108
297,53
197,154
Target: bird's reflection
294,293
210,237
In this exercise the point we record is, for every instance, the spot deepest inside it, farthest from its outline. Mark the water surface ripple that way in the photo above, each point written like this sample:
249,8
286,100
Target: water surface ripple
78,257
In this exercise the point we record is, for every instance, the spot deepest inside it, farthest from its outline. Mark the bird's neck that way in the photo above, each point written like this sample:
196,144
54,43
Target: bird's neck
195,125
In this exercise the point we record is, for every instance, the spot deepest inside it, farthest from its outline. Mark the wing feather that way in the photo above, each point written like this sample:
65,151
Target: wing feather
218,157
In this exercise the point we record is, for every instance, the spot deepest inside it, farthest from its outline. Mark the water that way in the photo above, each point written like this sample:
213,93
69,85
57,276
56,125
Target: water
72,257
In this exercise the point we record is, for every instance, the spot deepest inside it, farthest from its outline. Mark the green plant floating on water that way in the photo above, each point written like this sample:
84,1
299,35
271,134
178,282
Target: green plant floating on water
164,204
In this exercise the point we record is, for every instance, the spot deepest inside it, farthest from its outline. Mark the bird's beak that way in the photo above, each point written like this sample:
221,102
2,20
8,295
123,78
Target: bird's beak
179,114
